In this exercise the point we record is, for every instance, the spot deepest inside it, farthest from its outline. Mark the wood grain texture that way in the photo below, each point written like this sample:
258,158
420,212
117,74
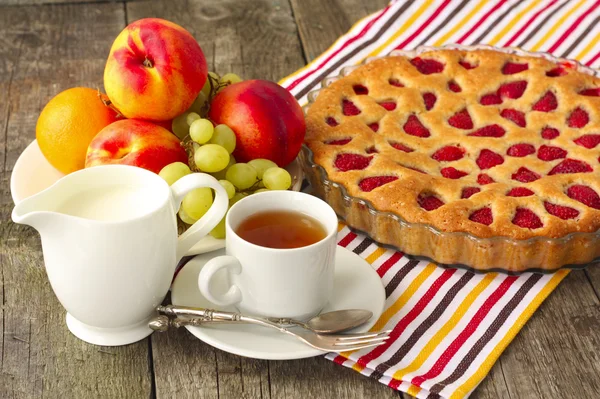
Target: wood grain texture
44,50
321,23
557,353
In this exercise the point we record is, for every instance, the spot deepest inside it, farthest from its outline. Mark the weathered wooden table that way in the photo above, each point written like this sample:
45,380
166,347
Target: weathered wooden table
46,48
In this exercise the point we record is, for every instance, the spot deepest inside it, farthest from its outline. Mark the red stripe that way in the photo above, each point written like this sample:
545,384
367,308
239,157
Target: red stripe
590,62
336,52
406,320
573,26
395,384
481,21
528,23
424,25
385,266
339,359
445,358
347,240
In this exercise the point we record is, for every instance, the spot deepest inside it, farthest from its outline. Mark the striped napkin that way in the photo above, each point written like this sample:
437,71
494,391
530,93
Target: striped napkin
449,326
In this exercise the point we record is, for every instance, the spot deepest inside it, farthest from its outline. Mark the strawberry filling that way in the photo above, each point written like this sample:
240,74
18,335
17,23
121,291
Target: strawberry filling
570,166
349,109
520,150
578,118
452,173
469,191
427,66
400,146
429,100
488,159
515,116
563,212
345,162
527,219
489,131
483,216
371,183
510,68
525,175
414,127
360,89
429,202
461,120
588,140
585,195
519,192
550,153
448,154
547,103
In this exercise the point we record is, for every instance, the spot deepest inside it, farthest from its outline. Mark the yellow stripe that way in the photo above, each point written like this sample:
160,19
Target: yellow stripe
375,255
462,309
461,24
326,52
400,302
591,44
557,25
340,226
487,364
403,28
413,390
513,22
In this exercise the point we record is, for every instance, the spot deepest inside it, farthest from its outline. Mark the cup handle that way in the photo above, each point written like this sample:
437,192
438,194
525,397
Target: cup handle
233,265
209,220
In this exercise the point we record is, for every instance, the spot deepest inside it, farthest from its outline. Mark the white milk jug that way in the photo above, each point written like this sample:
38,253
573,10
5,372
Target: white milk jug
110,245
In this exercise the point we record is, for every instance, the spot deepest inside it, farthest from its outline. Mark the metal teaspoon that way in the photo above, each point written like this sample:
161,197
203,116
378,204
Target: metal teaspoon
325,323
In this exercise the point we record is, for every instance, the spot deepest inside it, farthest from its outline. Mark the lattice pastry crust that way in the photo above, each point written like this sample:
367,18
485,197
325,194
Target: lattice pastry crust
482,142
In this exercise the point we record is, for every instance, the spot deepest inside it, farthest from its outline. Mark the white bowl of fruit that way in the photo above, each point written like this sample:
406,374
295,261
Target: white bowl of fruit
164,112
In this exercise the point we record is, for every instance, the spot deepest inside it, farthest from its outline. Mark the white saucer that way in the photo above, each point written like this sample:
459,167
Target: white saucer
32,173
356,285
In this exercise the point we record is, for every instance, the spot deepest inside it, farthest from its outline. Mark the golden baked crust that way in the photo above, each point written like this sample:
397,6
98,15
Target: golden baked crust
546,173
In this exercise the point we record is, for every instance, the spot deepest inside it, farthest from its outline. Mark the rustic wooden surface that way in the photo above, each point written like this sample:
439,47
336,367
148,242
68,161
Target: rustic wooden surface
46,48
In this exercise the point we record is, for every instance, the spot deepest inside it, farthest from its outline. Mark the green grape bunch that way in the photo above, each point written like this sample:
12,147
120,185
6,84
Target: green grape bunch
210,150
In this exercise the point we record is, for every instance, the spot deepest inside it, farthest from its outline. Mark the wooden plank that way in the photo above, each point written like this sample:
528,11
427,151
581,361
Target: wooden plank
43,51
49,49
320,378
321,23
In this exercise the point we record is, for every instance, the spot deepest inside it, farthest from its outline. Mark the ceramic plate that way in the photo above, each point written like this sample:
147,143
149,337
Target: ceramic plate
356,285
32,173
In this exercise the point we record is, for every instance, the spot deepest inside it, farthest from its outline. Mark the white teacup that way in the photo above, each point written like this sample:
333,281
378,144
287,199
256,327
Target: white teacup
272,282
109,238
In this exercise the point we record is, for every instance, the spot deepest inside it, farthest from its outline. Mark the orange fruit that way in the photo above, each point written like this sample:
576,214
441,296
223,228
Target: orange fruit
68,123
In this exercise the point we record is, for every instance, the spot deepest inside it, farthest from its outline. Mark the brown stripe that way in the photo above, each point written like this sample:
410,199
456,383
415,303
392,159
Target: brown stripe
395,281
423,327
443,24
360,248
581,37
488,335
341,61
495,23
541,24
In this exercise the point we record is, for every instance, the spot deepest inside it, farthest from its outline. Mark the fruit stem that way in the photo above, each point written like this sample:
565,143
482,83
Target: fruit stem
147,63
107,103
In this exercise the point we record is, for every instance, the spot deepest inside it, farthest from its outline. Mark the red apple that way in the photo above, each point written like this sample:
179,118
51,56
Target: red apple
267,120
137,143
154,71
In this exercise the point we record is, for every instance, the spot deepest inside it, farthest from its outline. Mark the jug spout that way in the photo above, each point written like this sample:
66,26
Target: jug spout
37,211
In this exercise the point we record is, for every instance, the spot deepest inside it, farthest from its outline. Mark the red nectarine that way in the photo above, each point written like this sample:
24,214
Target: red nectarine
267,120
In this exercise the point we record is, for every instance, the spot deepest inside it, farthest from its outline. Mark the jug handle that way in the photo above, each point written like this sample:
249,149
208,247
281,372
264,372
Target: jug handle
209,220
